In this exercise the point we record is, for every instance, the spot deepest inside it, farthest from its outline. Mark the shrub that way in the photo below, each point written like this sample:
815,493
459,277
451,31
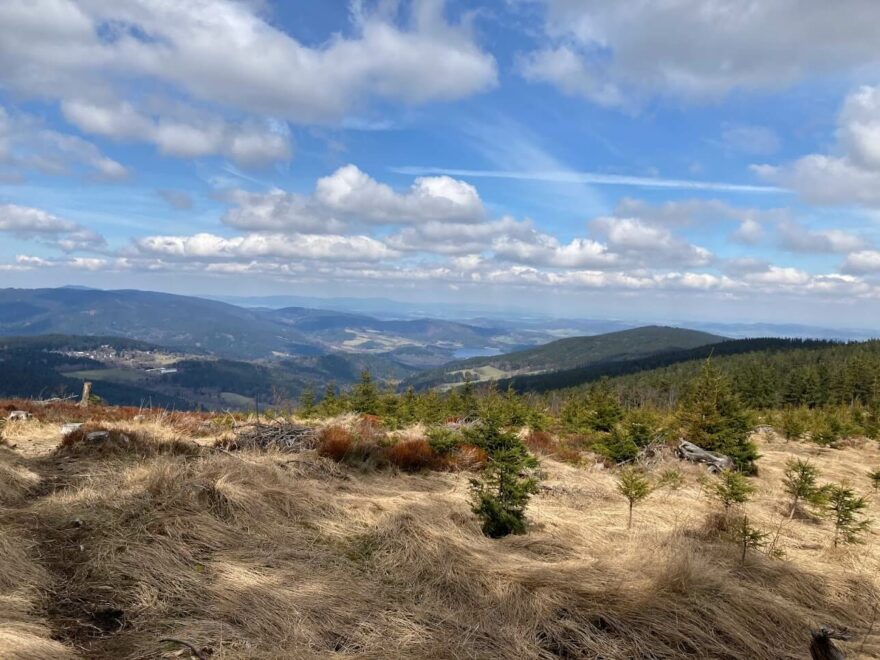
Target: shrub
469,457
335,442
845,510
502,492
632,484
540,442
617,446
444,441
412,455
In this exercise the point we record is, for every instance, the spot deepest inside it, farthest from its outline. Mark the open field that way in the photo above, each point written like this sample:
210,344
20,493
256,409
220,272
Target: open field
109,548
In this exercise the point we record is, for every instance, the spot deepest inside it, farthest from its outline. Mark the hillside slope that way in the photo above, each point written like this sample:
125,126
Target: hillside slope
567,353
557,380
198,325
109,550
182,322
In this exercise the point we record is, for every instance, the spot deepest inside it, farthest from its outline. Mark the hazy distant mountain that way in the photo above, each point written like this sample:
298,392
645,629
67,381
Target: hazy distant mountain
568,353
205,326
181,322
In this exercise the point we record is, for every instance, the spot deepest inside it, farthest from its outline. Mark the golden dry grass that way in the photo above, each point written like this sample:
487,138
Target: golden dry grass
270,555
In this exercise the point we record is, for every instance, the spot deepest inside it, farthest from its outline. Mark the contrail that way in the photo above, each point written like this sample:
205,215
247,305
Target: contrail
594,178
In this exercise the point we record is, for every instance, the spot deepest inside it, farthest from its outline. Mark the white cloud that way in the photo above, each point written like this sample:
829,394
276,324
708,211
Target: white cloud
862,262
26,144
459,238
225,55
699,49
852,174
273,246
26,222
351,191
796,238
750,232
565,68
350,195
183,135
649,244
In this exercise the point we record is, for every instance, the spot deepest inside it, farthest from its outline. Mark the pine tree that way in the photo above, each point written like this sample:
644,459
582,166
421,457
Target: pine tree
731,488
748,537
874,476
307,402
845,510
632,484
605,407
792,423
799,480
365,397
502,492
713,418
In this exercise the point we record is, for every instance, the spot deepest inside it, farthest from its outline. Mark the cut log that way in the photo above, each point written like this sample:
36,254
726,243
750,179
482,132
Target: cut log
19,416
688,451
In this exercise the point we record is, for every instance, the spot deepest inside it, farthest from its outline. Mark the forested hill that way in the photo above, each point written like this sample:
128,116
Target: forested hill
790,373
567,353
556,380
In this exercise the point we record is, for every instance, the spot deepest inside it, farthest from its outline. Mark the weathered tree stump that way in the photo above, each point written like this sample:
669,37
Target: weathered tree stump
822,646
87,392
690,452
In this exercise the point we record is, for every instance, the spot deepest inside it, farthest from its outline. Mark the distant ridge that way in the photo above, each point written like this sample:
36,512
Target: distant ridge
568,353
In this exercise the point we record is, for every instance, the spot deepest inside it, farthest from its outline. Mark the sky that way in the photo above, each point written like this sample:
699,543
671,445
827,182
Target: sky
714,160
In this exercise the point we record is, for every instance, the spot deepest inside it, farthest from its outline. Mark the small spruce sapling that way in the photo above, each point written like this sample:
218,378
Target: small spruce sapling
845,509
748,537
874,476
502,492
632,484
730,488
799,480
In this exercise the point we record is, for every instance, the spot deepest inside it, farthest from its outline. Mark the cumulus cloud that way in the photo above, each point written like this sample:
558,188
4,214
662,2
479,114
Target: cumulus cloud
349,195
26,222
698,49
186,134
750,232
849,176
351,191
227,55
796,238
862,262
27,145
648,243
252,246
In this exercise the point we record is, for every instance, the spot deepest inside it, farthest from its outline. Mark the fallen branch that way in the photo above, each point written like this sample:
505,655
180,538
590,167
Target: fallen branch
201,654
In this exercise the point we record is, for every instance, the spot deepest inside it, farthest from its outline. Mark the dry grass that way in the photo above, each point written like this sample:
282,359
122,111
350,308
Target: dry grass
270,555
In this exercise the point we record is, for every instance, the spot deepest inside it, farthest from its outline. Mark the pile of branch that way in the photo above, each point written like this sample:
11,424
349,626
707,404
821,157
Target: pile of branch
281,435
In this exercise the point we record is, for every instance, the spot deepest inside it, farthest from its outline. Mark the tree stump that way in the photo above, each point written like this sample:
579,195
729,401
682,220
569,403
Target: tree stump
87,392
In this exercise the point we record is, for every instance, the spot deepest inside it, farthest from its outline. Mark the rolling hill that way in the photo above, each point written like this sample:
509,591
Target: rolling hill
568,353
209,327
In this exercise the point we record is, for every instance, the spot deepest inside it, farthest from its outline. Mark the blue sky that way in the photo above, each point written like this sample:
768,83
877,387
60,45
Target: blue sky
651,160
